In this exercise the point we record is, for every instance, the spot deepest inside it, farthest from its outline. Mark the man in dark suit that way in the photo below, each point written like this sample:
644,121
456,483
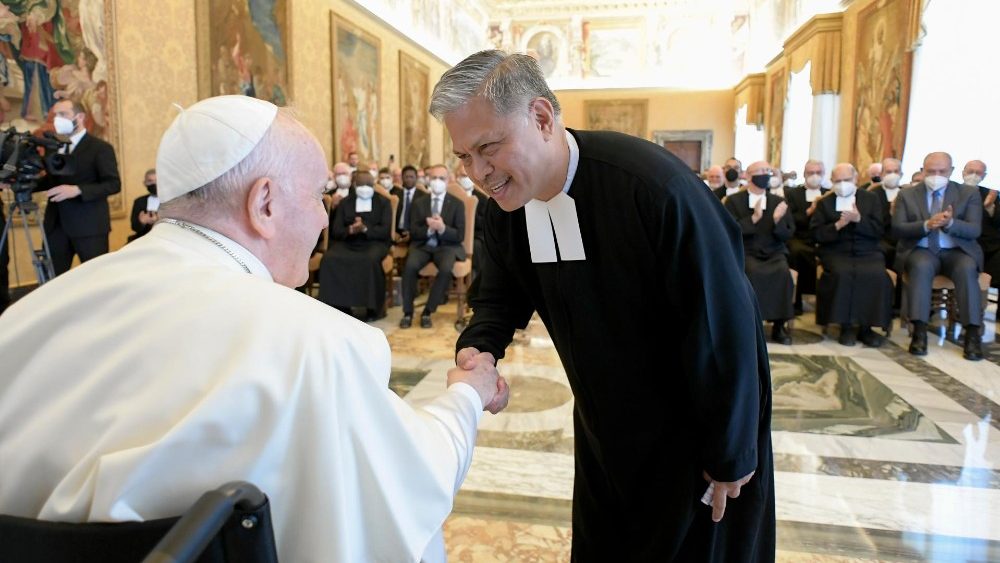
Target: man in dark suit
802,201
408,195
145,209
77,218
989,239
437,229
937,224
716,180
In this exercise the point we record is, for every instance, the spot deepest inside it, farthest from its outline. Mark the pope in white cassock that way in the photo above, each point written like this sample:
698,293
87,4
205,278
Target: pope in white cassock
143,378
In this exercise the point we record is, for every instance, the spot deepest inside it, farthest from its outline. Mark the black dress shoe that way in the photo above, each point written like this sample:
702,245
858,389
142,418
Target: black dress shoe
848,335
425,321
870,338
918,343
406,321
973,344
780,335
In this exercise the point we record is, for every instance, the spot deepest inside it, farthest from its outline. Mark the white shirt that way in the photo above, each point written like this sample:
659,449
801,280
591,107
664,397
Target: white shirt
556,219
754,198
363,205
891,193
74,140
731,191
812,194
152,204
139,380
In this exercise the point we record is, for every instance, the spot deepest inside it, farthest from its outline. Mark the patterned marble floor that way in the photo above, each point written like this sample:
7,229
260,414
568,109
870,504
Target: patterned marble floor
879,456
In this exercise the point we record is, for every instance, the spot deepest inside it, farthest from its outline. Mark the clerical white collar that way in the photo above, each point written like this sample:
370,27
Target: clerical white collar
754,198
845,203
731,191
556,219
236,254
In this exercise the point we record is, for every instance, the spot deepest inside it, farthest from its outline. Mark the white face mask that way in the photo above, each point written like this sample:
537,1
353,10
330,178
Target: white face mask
373,172
330,185
891,180
774,182
844,189
935,183
63,126
343,180
438,187
972,179
364,192
386,183
814,181
466,183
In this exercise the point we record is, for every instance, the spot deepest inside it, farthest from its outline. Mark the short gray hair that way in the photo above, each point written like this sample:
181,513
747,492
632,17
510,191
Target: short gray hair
218,196
508,81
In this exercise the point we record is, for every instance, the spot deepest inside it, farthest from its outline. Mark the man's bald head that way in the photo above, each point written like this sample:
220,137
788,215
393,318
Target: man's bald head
975,167
759,167
875,169
814,166
938,164
715,176
844,172
891,166
341,168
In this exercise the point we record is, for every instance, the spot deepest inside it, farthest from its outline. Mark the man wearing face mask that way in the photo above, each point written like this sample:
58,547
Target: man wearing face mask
437,229
767,226
874,176
385,179
77,218
989,239
350,274
802,202
340,185
733,172
855,292
145,209
937,224
775,185
715,178
408,195
887,192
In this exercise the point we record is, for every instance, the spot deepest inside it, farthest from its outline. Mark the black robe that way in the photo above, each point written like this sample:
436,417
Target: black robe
802,246
766,254
855,288
888,242
350,273
664,349
989,240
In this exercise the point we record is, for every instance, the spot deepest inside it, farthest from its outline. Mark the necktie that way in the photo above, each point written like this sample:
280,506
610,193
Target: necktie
432,240
405,215
934,237
436,208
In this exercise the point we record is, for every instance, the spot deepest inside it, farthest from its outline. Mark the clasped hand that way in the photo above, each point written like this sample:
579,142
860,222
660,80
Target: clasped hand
436,224
478,369
358,226
850,216
940,220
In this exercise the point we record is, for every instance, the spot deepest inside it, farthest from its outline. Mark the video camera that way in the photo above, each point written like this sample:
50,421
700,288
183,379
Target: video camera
24,157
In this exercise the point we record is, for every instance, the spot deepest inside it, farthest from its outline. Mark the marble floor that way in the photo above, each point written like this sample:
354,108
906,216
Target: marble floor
879,456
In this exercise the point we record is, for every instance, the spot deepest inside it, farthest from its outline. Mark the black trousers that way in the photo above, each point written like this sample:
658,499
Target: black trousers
921,267
444,258
64,247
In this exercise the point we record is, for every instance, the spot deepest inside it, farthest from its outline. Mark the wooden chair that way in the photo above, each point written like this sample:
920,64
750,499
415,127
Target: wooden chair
462,271
944,303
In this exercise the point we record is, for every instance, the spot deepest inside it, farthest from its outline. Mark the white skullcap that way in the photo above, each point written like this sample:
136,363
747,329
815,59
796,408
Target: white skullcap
208,139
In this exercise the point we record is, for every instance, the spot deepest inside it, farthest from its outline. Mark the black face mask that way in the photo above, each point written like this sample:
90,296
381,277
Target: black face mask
762,181
732,175
151,188
876,179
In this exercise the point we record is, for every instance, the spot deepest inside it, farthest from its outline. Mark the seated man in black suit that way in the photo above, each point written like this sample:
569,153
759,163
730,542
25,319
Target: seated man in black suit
408,195
145,208
437,229
855,291
77,218
802,202
989,239
766,225
937,224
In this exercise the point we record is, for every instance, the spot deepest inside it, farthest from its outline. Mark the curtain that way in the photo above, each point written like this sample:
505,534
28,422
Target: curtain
796,133
749,145
825,128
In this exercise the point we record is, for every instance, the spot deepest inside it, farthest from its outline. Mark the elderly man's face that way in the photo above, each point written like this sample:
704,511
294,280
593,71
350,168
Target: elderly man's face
842,173
813,168
304,215
341,168
506,155
890,167
714,176
937,165
975,167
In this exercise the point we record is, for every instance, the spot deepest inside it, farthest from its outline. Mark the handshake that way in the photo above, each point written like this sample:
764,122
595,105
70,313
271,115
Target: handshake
478,369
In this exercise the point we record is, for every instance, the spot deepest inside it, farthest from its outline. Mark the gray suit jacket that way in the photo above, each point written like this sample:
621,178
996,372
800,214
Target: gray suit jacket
911,212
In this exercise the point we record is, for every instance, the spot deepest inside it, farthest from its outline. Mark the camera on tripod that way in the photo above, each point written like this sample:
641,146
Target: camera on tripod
25,157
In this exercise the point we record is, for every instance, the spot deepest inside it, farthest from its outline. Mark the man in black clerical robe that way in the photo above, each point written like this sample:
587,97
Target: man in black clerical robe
802,246
855,291
652,317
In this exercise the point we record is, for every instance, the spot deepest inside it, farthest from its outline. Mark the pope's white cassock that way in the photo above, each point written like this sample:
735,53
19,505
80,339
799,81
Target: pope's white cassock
139,380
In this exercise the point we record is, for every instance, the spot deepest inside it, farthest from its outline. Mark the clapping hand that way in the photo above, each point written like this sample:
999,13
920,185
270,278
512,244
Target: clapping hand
852,215
940,220
357,226
779,211
758,211
991,198
812,208
436,224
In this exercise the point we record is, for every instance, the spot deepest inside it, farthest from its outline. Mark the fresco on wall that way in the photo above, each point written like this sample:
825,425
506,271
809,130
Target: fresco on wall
624,116
544,46
244,49
356,91
776,118
414,123
450,29
58,50
882,83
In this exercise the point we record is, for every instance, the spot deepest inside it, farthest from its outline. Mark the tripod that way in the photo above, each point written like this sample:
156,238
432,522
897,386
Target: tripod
41,258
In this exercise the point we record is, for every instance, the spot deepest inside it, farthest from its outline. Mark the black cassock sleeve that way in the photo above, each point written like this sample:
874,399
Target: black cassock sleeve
501,306
722,355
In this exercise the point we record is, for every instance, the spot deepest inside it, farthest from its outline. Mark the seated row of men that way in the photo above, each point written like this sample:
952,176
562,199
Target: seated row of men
430,225
931,227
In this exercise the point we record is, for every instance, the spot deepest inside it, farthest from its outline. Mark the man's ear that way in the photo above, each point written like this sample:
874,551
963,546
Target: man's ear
260,207
543,115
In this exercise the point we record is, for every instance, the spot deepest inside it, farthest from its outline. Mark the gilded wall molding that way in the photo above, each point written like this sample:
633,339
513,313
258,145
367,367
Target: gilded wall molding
750,92
819,42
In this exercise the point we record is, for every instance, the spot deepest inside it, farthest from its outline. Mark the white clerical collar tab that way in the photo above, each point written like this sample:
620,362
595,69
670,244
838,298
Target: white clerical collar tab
844,203
549,221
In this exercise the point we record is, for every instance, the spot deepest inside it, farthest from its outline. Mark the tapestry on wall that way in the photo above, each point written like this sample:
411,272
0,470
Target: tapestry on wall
624,116
776,120
356,91
414,123
882,83
59,50
243,48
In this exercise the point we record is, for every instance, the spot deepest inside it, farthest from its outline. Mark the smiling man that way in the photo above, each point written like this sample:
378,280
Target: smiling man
637,273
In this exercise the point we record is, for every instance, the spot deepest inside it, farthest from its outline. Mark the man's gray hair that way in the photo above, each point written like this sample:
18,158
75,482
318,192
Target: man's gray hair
218,196
816,161
508,81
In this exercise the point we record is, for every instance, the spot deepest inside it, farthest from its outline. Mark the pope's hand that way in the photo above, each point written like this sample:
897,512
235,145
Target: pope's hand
722,491
469,359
